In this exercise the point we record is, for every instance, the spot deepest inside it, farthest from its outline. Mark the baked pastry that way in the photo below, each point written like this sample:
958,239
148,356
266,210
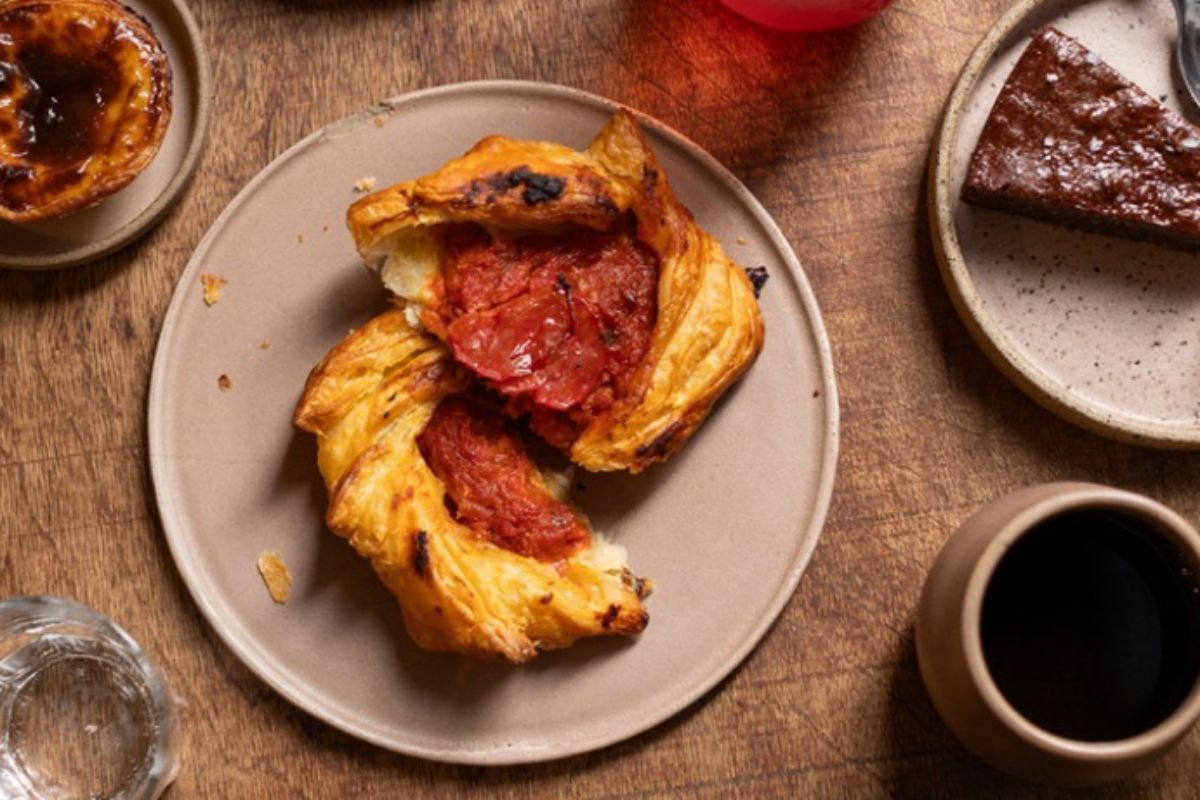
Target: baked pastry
433,484
85,100
574,285
1071,141
532,282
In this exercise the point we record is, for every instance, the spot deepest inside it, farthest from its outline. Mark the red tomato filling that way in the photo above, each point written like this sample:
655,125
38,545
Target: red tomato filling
492,485
556,324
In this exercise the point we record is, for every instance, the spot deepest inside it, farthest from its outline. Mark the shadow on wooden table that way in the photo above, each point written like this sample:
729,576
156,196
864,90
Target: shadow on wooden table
928,762
61,286
702,68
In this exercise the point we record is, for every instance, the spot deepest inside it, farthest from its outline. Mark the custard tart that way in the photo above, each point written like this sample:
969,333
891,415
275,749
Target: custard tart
435,486
85,101
573,285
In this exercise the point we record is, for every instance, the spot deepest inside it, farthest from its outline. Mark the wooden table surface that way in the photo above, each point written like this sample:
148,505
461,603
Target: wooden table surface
831,132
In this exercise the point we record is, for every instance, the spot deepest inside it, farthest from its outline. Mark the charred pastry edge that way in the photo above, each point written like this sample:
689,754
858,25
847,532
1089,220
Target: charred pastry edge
538,188
420,554
642,587
610,615
661,445
758,279
112,180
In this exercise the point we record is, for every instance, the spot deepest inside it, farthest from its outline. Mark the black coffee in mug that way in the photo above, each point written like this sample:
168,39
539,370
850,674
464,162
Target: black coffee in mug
1091,626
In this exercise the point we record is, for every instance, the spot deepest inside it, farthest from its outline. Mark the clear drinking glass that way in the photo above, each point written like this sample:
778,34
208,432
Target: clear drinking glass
83,712
807,15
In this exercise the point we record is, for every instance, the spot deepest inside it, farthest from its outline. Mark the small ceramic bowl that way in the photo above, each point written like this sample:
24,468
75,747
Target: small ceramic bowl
951,652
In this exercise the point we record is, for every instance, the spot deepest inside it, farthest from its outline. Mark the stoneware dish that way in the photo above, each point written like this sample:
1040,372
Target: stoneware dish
1100,330
951,657
98,231
724,529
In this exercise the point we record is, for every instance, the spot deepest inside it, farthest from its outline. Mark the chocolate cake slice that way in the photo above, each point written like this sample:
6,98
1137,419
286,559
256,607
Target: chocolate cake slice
1071,141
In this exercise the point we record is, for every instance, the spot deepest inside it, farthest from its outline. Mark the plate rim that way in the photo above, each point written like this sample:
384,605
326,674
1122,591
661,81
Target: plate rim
197,64
301,695
988,334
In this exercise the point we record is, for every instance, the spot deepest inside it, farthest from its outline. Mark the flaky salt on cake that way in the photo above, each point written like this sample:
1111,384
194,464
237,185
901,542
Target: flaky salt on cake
1071,141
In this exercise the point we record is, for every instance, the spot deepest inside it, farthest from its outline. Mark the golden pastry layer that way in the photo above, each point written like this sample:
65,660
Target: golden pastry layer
368,402
707,328
85,100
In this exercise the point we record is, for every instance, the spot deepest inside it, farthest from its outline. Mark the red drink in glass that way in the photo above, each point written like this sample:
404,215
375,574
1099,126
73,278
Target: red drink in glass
807,15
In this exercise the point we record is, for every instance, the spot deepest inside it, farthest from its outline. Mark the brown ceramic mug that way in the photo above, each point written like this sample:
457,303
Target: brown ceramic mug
1059,633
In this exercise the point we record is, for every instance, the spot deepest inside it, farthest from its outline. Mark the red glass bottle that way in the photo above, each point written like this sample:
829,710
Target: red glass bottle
807,15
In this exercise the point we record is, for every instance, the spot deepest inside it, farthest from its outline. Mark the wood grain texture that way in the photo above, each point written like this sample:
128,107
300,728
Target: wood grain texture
831,131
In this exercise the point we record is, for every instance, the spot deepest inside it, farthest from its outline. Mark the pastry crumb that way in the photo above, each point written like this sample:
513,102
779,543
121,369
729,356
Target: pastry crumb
378,121
365,184
223,383
212,288
741,239
275,575
264,345
300,238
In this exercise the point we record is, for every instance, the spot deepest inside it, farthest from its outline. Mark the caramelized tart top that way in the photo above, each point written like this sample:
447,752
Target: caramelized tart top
85,100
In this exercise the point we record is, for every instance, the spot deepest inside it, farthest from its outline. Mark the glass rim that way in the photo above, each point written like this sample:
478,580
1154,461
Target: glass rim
34,613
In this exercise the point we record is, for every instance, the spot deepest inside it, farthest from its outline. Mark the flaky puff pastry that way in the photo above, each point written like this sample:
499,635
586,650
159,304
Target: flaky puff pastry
367,402
85,101
708,328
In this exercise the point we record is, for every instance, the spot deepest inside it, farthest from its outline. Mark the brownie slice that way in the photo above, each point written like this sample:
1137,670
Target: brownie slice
1071,141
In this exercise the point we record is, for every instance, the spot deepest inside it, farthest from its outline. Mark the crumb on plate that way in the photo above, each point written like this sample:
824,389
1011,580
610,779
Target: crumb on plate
378,121
365,184
212,288
275,575
264,345
223,383
300,238
741,239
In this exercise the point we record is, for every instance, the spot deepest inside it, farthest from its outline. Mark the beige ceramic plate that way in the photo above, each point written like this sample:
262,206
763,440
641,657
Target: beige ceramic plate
1102,331
725,529
126,215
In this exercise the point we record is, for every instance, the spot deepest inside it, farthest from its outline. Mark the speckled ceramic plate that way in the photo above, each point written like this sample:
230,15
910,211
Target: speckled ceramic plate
1103,331
95,232
724,529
